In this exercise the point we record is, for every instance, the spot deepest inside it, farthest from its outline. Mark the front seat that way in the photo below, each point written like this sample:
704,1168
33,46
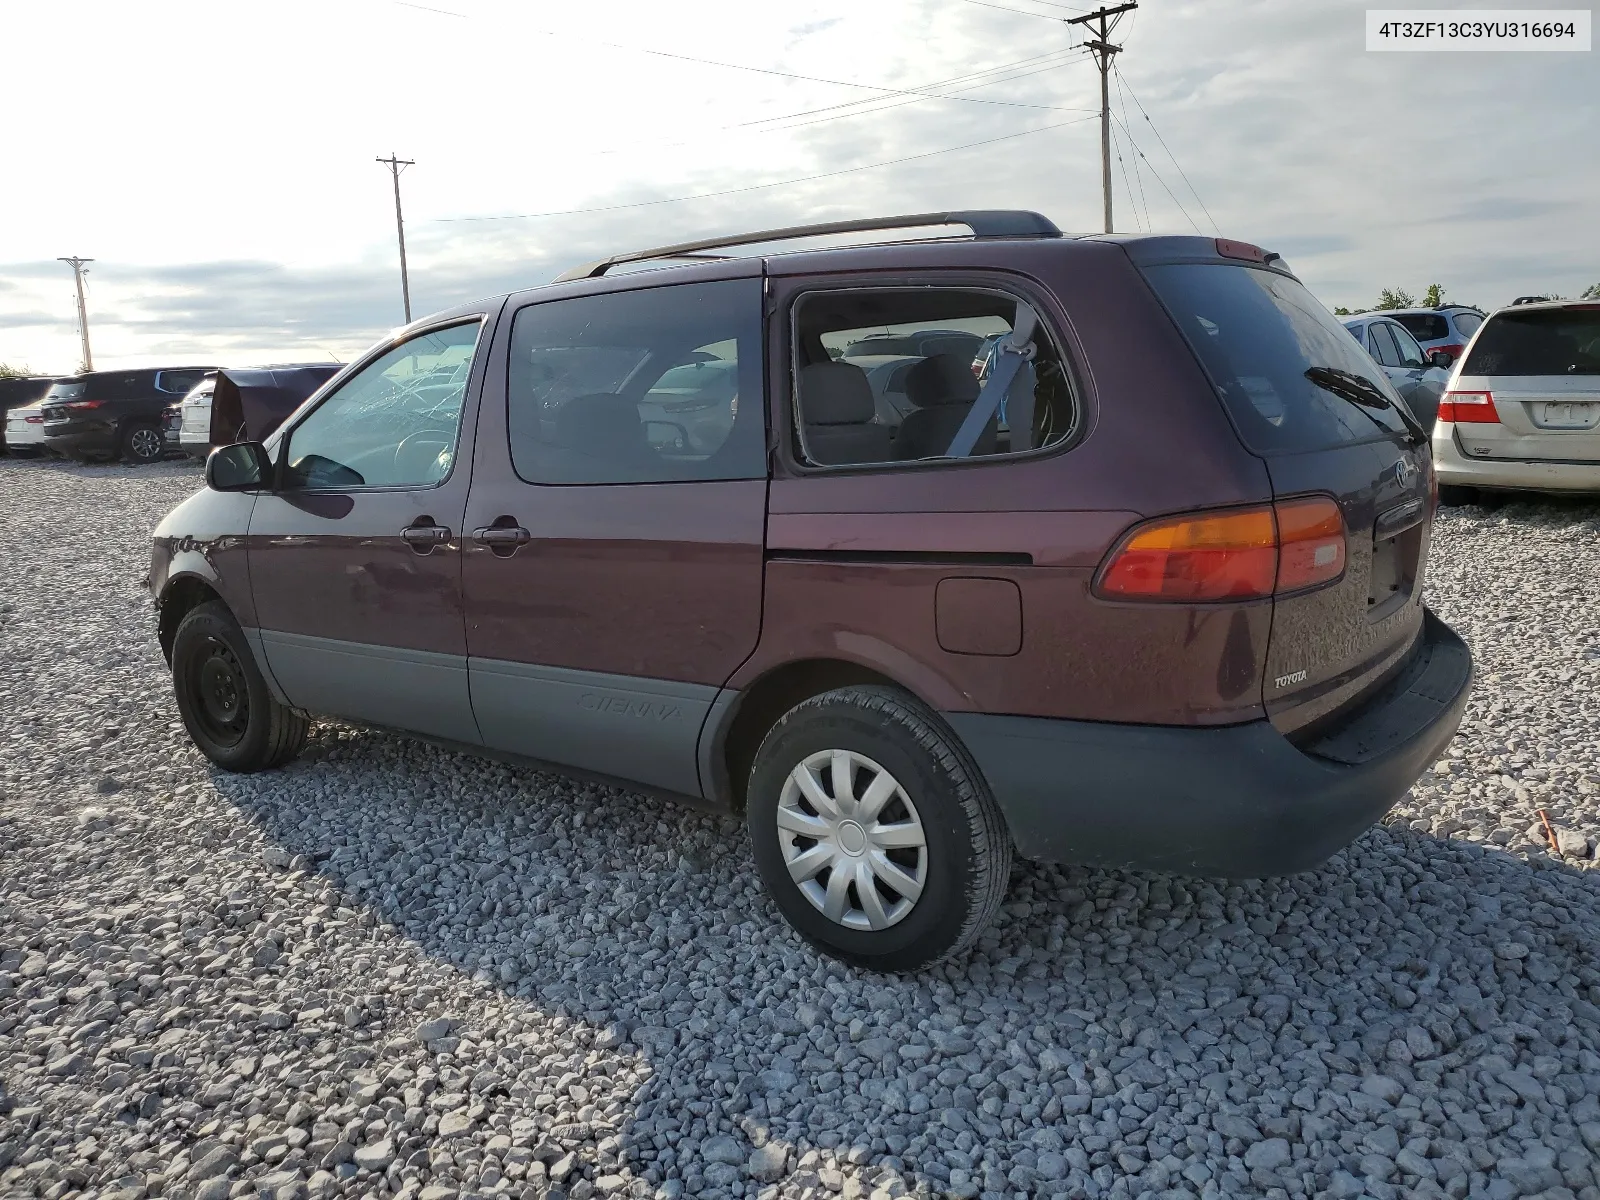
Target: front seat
836,410
942,388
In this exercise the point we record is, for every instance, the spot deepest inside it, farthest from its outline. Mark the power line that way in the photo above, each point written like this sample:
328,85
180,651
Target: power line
1137,174
572,212
1170,155
1123,166
1126,132
1019,11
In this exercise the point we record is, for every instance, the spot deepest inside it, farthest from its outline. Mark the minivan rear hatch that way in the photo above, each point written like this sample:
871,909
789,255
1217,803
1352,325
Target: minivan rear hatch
1540,368
1308,400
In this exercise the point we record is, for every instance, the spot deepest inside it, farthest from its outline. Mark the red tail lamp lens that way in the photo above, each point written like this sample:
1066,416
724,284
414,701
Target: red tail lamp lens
1219,556
1241,554
1311,548
1474,408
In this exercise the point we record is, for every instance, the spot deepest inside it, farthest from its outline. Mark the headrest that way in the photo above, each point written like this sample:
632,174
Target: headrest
601,424
942,379
835,393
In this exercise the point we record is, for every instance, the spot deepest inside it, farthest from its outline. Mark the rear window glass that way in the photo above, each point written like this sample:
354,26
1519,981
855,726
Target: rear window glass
1425,327
1552,341
1258,334
178,382
1466,322
65,391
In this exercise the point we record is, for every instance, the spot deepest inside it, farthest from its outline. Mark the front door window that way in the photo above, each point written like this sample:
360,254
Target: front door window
393,424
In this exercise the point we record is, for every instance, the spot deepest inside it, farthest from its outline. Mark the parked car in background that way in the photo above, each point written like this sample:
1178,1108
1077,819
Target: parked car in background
1418,380
194,418
1521,412
20,422
238,402
1172,622
1446,329
102,415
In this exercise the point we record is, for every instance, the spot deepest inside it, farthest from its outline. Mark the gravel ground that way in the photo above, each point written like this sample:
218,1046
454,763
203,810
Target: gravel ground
388,969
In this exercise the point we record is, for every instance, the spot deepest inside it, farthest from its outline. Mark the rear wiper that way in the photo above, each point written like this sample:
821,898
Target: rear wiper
1347,385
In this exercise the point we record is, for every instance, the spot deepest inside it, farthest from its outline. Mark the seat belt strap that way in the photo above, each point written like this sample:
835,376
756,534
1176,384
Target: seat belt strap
1011,352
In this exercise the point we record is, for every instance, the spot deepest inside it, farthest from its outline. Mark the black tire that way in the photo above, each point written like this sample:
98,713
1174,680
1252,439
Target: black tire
225,703
1452,495
965,863
141,442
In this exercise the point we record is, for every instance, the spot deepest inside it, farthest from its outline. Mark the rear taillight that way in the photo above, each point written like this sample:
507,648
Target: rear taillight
1476,408
36,419
1240,554
81,405
1310,543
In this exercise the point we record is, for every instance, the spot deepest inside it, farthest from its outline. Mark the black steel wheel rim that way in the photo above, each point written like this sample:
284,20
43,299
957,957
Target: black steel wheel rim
220,693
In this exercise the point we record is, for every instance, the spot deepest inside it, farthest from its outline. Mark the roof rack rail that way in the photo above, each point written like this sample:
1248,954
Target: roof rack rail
984,223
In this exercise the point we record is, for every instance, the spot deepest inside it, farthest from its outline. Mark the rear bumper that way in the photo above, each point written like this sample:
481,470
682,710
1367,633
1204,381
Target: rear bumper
1236,801
80,438
1456,469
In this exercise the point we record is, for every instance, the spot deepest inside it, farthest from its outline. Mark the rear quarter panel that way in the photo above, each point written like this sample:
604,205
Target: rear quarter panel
856,557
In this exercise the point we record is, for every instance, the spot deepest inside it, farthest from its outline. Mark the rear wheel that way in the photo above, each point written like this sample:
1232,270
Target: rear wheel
142,442
875,832
225,703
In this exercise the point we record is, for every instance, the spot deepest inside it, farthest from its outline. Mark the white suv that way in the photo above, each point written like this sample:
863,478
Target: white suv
1522,409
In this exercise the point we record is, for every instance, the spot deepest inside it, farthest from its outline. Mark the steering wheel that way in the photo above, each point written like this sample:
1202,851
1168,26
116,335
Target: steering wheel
423,457
682,441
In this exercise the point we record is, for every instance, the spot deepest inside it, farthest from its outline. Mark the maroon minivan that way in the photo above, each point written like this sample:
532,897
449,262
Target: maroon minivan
749,529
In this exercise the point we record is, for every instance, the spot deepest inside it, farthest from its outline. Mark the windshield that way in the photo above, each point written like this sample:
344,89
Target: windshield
1551,341
1269,347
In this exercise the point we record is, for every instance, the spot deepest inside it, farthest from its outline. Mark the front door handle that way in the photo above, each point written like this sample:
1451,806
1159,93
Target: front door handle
503,537
422,535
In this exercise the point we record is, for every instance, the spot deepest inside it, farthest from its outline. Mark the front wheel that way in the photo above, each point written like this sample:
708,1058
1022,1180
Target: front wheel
142,442
875,832
225,703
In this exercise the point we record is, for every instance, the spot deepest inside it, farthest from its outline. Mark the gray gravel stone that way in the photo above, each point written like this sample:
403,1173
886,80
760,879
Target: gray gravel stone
521,984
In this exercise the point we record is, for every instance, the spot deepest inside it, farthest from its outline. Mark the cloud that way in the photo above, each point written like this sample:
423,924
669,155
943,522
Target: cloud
1364,170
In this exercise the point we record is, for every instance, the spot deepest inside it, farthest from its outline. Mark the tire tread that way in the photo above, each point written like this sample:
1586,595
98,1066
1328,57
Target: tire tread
986,828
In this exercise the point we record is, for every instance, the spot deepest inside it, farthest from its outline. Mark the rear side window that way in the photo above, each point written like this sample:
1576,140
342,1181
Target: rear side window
1466,322
907,400
1425,327
1384,348
1551,341
178,382
1281,362
657,385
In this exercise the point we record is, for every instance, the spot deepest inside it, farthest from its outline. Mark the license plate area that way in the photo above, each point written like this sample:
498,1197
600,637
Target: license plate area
1396,562
1567,414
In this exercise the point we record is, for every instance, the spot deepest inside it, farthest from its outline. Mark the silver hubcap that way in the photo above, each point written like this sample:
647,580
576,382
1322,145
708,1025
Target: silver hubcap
146,443
852,840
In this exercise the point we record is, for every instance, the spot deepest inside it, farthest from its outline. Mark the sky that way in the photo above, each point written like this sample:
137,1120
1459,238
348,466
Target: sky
217,161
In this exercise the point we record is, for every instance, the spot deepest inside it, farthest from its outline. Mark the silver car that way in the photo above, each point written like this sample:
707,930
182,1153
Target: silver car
1418,376
1522,409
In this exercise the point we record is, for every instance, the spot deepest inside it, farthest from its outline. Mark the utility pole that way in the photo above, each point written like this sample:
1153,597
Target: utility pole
396,165
1104,51
77,265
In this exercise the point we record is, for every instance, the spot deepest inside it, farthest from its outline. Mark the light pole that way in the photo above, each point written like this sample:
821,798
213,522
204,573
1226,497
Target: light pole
396,165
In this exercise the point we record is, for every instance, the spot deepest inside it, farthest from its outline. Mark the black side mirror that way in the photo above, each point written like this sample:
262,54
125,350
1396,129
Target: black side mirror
241,467
1440,358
